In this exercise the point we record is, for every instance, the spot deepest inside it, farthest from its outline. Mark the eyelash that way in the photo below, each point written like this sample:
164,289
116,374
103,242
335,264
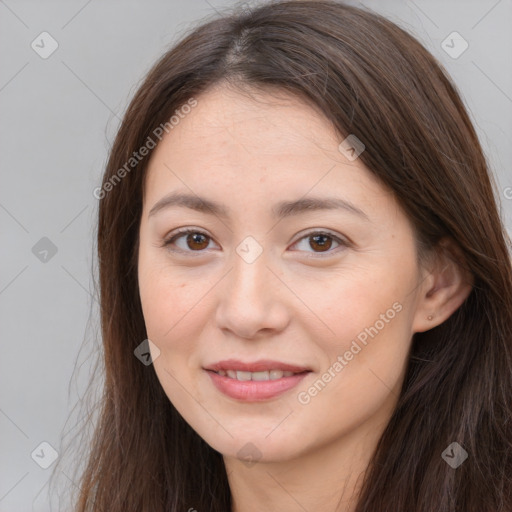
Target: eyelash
185,231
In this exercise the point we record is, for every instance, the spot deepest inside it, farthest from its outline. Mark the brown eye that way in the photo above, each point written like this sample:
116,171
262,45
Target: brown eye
194,241
319,242
322,242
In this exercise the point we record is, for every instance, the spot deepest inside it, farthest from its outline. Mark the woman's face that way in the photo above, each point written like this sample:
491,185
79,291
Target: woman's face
332,290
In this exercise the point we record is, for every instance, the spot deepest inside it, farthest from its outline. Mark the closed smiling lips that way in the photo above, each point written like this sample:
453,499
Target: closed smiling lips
255,381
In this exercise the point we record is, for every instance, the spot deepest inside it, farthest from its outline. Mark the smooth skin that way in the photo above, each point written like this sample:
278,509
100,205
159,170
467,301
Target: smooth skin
298,302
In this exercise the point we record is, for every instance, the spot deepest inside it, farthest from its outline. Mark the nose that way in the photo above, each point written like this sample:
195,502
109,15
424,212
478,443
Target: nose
252,301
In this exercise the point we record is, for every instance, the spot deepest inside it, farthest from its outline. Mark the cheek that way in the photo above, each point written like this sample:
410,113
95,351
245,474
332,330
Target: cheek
171,310
359,379
176,307
168,296
172,313
365,357
347,305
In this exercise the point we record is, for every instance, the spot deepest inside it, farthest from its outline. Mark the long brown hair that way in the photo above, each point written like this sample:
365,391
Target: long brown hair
372,79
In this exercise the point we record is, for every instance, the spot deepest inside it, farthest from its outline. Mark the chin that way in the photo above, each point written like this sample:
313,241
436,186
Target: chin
256,448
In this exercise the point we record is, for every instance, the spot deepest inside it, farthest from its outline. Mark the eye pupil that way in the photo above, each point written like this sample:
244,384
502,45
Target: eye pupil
323,245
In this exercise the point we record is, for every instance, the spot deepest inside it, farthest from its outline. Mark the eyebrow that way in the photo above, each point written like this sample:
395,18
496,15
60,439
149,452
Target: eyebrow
280,210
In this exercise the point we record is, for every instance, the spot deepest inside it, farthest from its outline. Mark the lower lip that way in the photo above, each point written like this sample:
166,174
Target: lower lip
254,391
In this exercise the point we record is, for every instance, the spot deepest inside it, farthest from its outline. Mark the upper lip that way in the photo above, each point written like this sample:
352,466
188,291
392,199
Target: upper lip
256,366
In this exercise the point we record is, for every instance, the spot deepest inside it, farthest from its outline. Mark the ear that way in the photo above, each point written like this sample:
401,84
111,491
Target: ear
445,287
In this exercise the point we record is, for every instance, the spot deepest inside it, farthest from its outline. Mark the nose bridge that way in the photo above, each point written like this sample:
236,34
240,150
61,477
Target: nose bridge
249,277
249,301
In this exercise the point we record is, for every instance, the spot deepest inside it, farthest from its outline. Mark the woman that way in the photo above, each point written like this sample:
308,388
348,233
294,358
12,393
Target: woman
305,285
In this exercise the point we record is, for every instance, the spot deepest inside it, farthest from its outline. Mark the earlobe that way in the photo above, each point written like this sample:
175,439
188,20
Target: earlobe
447,288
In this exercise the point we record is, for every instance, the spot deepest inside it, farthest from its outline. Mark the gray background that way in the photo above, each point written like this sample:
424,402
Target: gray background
59,117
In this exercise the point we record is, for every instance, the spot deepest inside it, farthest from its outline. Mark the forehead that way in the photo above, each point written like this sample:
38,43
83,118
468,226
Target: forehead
250,131
247,122
256,147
